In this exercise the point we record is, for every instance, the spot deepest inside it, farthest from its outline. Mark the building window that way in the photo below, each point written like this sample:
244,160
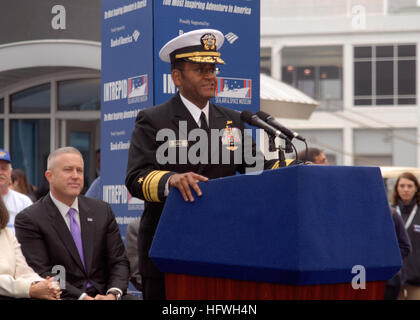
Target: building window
2,133
28,107
265,61
316,71
32,100
81,94
385,75
30,146
329,141
82,142
372,147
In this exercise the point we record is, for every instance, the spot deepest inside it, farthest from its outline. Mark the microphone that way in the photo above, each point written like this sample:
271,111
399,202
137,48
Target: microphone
273,122
254,120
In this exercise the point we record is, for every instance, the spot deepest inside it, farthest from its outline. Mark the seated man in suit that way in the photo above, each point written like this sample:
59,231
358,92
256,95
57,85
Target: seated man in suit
81,234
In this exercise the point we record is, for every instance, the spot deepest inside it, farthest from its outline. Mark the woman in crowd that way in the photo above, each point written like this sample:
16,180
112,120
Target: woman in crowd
393,286
20,183
406,202
17,279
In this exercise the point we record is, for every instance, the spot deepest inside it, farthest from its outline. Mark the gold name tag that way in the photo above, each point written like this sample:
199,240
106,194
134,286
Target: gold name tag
178,143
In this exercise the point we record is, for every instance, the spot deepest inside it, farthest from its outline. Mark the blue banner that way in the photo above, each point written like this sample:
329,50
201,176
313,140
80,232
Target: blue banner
127,87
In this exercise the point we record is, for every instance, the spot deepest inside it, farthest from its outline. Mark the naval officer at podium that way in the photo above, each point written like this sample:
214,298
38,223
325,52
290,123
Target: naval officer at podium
156,165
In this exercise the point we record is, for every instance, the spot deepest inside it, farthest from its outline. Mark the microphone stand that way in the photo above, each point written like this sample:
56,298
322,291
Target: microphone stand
272,147
288,147
282,157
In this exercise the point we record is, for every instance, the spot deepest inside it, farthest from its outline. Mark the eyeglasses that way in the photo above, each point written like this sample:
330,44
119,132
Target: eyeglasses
203,71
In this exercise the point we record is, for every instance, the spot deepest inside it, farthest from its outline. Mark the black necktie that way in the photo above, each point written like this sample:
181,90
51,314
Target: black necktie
205,127
203,119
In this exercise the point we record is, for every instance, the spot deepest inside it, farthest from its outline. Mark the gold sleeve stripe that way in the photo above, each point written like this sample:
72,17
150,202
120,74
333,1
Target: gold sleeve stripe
146,185
289,161
154,185
276,165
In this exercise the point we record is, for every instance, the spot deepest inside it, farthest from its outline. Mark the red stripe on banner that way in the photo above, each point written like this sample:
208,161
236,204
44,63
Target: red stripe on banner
250,87
220,85
145,79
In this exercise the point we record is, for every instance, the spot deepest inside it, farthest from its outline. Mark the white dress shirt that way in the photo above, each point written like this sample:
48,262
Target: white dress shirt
64,210
196,111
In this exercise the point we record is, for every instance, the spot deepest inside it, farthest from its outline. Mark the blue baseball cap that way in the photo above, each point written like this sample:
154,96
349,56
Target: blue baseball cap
4,155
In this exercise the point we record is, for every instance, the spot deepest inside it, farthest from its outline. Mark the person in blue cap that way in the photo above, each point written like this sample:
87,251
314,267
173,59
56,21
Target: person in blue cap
15,202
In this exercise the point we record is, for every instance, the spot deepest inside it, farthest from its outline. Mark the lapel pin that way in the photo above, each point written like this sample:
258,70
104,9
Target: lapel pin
89,219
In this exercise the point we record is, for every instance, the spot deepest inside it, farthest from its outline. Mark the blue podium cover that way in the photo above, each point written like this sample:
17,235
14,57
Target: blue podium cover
296,225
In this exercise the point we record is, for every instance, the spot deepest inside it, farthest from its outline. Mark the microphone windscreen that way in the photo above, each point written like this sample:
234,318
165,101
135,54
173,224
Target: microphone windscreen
246,116
262,115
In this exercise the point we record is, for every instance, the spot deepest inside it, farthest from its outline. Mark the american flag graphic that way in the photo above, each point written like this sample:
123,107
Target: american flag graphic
137,86
234,88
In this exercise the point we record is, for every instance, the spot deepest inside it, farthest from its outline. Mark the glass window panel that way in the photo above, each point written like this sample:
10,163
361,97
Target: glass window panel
265,60
1,105
384,101
407,51
384,51
305,73
2,133
330,83
81,94
362,78
30,147
407,101
384,78
32,100
329,72
307,86
362,102
330,89
407,77
363,52
265,71
81,141
287,74
306,80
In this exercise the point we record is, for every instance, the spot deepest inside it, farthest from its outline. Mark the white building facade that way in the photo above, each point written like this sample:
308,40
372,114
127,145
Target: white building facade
50,82
358,59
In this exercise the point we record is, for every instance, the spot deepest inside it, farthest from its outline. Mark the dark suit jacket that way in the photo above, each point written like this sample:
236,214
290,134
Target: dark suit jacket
131,245
46,242
146,177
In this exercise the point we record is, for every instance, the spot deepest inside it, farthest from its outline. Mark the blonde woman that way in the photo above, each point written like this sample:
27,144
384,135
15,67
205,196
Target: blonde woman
17,279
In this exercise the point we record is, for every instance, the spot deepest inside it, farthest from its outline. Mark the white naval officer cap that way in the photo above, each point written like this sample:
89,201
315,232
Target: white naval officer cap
199,46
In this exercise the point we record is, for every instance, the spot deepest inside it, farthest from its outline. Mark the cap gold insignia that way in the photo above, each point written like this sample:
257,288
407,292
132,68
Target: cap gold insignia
208,41
2,153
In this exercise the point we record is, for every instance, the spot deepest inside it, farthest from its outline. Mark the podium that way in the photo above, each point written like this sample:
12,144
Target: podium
300,232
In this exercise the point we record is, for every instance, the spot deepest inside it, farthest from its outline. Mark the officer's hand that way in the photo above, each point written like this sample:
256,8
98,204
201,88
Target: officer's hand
183,181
